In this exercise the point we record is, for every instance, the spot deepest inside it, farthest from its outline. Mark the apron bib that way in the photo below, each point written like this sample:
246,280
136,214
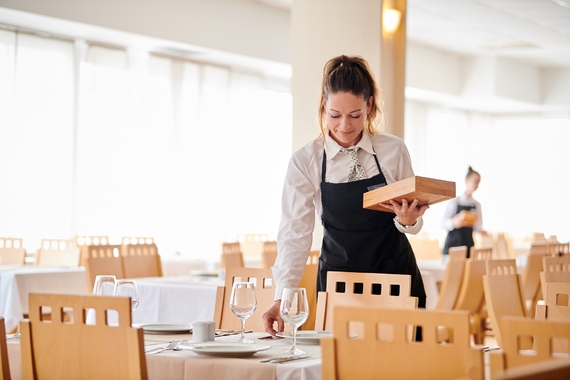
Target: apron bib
361,240
460,236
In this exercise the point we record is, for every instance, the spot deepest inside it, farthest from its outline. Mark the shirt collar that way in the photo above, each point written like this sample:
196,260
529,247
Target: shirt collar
332,147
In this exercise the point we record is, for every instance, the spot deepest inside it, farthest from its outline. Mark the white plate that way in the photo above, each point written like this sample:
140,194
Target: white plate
232,350
165,328
307,336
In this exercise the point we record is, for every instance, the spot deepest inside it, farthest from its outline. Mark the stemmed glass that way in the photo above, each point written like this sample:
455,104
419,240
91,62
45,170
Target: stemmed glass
127,288
243,303
294,311
104,285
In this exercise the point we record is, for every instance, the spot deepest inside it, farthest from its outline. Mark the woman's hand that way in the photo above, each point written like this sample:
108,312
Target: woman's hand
408,214
270,317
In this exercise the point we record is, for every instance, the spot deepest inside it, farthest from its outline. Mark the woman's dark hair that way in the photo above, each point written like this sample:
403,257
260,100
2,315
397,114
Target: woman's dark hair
470,172
349,74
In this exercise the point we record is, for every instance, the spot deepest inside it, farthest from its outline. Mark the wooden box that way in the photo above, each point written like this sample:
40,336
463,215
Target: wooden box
426,190
468,218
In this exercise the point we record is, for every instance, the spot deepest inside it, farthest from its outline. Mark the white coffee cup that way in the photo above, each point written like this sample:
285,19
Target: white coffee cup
199,331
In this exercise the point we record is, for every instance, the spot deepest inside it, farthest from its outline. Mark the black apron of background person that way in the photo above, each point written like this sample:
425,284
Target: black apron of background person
361,240
460,236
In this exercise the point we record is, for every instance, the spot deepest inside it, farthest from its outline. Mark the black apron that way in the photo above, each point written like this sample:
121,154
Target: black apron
361,240
460,236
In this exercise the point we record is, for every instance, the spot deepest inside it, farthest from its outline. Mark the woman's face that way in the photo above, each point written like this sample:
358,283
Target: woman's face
472,183
346,117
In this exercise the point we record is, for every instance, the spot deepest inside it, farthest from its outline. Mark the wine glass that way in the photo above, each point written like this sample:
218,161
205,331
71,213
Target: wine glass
243,303
127,288
294,311
104,285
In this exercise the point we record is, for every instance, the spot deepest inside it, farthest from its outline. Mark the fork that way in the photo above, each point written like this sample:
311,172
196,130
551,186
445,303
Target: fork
170,346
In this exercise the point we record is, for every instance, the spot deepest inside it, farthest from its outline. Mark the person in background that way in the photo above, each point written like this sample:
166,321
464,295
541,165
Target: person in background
329,175
463,216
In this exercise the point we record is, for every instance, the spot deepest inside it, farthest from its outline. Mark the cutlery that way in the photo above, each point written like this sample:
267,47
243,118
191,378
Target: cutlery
158,350
283,359
13,336
227,333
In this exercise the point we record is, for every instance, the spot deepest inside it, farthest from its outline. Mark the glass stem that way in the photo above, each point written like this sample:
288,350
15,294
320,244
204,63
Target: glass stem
294,339
242,329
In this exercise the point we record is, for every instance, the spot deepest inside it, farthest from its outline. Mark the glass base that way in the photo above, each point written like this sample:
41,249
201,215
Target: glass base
293,351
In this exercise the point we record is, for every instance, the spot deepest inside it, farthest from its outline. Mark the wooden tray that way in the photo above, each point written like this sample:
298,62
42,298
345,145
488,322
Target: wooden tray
426,190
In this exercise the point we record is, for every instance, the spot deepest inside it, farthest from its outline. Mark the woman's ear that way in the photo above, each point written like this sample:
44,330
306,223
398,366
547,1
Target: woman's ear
370,104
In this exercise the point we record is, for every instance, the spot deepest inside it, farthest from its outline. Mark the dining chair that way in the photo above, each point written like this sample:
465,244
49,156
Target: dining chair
452,278
362,289
375,343
531,275
59,349
57,253
503,246
559,249
264,292
4,363
555,269
516,330
556,304
103,259
309,282
232,256
549,369
12,251
425,247
82,241
141,260
503,295
471,296
269,253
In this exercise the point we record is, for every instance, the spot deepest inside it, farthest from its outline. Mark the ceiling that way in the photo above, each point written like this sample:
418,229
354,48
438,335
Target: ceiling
534,31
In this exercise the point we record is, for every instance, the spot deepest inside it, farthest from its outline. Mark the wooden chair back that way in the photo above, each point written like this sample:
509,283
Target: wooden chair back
472,295
71,349
362,289
83,241
550,369
375,343
269,253
531,275
309,282
4,364
141,260
57,253
555,269
559,249
503,295
518,329
425,247
232,257
452,278
12,251
251,245
481,253
557,301
503,247
103,259
264,293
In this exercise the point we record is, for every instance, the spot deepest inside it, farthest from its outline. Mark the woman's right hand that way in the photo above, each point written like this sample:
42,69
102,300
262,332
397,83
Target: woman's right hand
458,220
270,317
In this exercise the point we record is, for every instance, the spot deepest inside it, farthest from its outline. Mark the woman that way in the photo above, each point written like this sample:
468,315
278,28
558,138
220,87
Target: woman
460,213
326,177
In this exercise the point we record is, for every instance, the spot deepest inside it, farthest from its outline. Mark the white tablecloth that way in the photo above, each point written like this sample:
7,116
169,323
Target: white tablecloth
181,299
17,281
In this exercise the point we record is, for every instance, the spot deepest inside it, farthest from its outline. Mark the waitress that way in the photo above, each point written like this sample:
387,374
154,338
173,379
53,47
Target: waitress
329,176
461,228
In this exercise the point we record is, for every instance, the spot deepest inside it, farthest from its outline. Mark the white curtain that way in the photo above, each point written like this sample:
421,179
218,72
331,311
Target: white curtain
36,134
187,153
522,161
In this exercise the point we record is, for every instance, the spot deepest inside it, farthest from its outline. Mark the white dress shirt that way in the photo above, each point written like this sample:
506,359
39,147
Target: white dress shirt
301,199
451,210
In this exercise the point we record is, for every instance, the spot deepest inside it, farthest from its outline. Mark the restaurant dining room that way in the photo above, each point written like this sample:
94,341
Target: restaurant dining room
284,189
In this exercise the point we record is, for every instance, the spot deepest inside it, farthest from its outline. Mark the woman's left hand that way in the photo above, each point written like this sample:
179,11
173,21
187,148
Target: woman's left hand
408,213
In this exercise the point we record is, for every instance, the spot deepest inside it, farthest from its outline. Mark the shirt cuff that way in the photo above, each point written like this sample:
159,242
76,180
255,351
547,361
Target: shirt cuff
413,229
